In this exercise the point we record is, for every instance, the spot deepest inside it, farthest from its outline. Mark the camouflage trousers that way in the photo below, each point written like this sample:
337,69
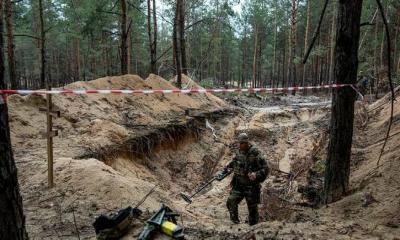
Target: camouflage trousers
252,196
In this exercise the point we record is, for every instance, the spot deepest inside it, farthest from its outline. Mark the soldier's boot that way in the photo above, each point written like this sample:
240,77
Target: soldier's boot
234,217
233,209
253,214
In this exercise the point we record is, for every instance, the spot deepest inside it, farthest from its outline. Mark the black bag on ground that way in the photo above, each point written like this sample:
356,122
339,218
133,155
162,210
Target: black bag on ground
115,225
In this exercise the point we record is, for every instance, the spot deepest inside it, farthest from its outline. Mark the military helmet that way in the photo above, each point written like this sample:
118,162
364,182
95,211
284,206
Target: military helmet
243,138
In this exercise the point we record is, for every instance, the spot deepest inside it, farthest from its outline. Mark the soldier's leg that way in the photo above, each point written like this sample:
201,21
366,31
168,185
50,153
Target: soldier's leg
252,200
235,197
253,214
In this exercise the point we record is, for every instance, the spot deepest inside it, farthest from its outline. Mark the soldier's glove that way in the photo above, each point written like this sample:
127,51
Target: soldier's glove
221,175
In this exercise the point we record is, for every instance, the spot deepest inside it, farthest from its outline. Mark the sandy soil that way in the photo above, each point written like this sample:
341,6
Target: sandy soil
98,169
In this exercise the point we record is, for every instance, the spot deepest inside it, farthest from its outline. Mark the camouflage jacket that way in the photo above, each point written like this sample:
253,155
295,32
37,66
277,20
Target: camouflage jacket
248,162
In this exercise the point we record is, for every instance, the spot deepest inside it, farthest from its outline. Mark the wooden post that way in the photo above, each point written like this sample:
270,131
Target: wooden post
50,162
50,135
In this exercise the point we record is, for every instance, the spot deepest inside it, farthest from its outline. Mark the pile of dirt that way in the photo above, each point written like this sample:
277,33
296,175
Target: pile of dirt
187,82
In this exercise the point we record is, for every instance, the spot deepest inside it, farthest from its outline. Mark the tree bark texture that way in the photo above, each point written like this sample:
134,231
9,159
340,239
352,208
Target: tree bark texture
341,128
10,45
12,220
292,45
176,44
42,47
152,34
124,37
306,39
182,37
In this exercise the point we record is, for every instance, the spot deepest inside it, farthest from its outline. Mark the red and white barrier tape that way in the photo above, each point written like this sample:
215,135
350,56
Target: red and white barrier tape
167,91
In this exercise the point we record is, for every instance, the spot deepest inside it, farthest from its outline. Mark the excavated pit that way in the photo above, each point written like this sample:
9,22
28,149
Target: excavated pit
178,156
181,155
113,149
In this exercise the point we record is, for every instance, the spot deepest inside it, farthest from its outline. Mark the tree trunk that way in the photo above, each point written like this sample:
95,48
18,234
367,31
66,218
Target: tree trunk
376,59
152,35
292,45
396,36
259,62
255,57
176,44
398,65
384,56
10,45
273,77
129,51
42,47
12,219
77,59
341,130
289,62
332,45
244,57
182,36
124,38
155,34
306,39
149,32
284,66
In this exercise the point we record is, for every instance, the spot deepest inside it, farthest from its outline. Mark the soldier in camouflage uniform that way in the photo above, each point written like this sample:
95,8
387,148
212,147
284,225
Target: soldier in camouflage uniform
250,170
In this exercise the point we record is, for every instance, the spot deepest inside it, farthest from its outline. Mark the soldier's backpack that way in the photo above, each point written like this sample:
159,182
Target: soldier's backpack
115,225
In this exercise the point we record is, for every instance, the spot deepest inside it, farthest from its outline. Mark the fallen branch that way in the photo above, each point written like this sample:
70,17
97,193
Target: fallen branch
389,63
76,227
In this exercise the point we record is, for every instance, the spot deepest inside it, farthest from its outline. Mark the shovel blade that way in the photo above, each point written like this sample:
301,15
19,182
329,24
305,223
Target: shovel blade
186,198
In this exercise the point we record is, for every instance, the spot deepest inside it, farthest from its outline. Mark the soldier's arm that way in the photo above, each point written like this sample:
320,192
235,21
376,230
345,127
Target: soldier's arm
230,164
263,171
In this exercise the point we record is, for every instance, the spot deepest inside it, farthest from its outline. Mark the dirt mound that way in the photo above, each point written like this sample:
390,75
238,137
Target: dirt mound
158,82
117,82
92,125
187,82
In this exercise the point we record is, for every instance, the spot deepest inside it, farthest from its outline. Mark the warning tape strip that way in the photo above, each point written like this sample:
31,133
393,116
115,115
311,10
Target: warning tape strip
167,91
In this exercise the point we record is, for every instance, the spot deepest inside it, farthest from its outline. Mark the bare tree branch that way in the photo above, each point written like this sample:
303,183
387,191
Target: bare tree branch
316,33
389,64
365,34
109,12
27,35
367,24
186,28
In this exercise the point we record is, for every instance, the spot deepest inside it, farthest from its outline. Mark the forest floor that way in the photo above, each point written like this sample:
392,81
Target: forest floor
113,149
